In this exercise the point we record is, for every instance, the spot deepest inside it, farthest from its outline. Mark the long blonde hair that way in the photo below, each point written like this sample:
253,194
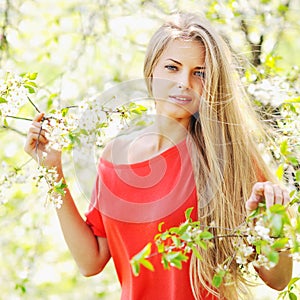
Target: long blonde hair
224,153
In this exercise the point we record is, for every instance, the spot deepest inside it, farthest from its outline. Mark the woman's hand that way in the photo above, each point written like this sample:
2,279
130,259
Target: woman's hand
36,145
279,276
267,192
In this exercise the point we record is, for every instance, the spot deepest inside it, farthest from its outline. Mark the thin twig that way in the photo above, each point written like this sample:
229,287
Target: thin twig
13,129
37,142
230,236
25,163
33,105
72,106
18,118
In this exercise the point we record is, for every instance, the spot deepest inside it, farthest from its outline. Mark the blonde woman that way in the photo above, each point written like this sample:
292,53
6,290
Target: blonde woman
198,153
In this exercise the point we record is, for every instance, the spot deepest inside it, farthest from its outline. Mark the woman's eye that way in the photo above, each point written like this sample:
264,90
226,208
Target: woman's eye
171,68
200,74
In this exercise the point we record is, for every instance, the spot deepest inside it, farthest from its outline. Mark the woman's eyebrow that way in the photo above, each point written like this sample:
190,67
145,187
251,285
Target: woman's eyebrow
179,63
175,61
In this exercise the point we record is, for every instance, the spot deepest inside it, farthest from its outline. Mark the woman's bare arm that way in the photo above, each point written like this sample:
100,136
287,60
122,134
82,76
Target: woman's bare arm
279,276
91,253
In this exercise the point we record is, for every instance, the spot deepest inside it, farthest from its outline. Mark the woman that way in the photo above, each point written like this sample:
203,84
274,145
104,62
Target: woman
198,153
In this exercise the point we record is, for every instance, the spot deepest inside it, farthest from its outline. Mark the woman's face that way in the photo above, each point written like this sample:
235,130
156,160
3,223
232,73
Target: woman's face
178,79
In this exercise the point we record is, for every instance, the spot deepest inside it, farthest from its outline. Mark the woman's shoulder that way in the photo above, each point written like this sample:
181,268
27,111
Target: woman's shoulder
122,148
113,149
137,147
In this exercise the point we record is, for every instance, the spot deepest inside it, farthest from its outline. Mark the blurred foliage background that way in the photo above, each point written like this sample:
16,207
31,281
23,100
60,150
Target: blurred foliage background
80,48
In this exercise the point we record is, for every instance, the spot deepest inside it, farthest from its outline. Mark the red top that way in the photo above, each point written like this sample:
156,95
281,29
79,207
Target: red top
129,201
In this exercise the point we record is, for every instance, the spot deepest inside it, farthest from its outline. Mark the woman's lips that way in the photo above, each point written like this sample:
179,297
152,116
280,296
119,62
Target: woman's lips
181,99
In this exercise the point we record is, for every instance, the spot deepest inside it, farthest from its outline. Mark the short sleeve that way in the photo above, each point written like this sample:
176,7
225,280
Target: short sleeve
93,216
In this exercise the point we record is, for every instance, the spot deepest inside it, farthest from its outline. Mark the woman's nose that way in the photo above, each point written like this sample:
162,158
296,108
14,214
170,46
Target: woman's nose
184,80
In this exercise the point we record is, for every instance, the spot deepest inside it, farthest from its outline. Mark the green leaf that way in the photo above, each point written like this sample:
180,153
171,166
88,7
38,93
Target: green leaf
2,100
257,247
32,76
277,208
206,235
284,147
253,214
136,109
273,256
60,187
293,100
297,175
176,241
165,235
64,111
176,259
31,90
30,83
102,125
177,263
217,280
61,184
282,8
276,225
292,160
165,262
147,264
175,230
188,213
280,243
292,296
292,281
160,225
280,172
135,266
196,252
183,228
202,244
186,236
160,248
144,253
74,139
83,131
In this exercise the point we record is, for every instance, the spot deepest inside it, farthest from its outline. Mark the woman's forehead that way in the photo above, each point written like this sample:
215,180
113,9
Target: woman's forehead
184,49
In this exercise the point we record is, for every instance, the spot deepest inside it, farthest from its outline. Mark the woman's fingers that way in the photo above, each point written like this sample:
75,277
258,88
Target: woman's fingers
35,133
255,197
278,194
38,117
36,136
267,192
36,144
34,128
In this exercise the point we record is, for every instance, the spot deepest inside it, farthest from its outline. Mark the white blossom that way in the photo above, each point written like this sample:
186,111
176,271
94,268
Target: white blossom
13,94
243,252
263,261
56,200
262,231
273,90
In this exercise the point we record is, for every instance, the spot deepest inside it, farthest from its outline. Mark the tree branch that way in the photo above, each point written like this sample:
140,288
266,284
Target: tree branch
255,48
14,130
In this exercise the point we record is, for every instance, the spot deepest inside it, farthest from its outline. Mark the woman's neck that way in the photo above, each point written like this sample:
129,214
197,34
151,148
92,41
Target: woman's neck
168,132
